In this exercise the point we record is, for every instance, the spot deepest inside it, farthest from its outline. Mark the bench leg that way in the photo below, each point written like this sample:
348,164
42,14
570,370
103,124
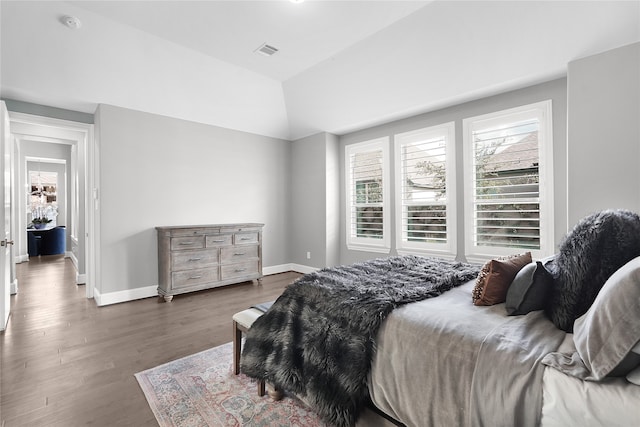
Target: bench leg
237,343
276,394
237,340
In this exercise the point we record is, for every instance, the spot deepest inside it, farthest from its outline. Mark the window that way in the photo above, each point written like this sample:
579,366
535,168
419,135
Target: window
509,185
367,182
425,190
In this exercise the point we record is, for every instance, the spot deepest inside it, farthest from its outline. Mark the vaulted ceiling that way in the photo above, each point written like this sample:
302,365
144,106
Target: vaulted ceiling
340,65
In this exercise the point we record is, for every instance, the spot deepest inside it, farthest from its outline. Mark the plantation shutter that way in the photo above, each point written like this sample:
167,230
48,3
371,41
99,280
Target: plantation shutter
423,174
506,185
367,213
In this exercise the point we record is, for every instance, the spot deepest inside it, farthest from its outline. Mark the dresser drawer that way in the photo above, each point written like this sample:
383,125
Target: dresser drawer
245,238
194,277
238,253
180,232
247,268
219,240
193,242
187,260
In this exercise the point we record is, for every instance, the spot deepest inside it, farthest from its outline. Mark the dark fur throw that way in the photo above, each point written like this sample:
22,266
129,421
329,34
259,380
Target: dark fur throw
589,254
318,338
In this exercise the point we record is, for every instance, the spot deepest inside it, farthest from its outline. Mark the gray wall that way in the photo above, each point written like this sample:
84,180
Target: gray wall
309,200
333,200
604,132
555,90
314,198
159,171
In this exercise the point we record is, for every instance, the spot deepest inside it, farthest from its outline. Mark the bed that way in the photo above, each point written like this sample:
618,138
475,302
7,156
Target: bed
465,352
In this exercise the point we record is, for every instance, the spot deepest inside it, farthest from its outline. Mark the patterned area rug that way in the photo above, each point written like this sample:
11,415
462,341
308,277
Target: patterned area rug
201,390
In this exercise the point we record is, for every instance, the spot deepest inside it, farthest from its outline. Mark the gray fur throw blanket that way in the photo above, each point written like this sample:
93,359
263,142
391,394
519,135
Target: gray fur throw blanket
319,337
589,254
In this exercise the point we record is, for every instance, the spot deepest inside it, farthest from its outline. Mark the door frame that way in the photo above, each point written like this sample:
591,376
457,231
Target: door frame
81,137
7,266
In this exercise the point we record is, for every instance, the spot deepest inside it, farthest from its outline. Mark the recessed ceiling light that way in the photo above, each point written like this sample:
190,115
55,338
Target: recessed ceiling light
71,22
266,50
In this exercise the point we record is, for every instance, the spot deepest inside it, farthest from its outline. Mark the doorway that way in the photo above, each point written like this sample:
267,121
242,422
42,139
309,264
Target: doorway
55,141
47,206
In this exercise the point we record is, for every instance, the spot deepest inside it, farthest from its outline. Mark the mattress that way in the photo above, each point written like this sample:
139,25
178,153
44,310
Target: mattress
571,401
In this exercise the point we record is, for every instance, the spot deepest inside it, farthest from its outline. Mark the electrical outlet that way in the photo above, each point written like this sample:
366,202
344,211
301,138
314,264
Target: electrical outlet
308,255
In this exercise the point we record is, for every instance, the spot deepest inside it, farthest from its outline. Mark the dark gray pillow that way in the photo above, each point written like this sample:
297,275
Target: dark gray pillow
529,289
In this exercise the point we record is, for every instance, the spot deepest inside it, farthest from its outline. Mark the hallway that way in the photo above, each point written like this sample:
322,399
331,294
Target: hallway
66,362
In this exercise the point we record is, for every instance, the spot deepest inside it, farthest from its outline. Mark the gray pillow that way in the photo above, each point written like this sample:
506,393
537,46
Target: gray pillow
607,333
529,289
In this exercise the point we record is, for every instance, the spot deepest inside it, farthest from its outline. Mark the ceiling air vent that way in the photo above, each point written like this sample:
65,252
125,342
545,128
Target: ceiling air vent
266,50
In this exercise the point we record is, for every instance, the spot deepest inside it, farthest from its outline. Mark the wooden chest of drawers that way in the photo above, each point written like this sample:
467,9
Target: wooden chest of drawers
192,258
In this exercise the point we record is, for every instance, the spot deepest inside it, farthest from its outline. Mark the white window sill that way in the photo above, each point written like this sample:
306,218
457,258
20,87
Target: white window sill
369,248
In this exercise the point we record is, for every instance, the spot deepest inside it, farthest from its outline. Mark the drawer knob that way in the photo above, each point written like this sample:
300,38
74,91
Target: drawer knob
218,241
194,259
239,270
185,243
239,253
195,277
245,238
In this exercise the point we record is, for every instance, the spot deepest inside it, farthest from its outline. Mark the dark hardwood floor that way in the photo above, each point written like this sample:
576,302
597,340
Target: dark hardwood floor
66,362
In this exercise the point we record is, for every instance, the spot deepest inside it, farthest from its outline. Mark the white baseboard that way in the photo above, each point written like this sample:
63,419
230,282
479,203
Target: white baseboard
3,322
276,269
14,287
124,296
283,268
304,269
74,260
152,291
81,279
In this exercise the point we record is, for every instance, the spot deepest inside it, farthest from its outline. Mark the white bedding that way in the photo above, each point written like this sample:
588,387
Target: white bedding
569,401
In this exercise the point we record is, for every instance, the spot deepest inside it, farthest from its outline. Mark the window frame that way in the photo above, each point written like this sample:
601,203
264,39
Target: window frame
403,245
381,245
542,111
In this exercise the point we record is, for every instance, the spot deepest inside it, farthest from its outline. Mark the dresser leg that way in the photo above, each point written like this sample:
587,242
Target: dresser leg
168,298
259,281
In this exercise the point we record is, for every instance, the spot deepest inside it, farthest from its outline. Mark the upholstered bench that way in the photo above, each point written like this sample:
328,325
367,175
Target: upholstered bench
242,322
